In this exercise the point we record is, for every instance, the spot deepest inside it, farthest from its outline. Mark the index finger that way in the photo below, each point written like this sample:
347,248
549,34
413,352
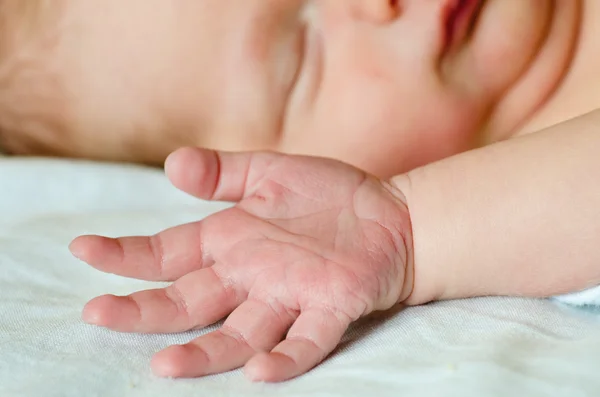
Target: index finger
165,256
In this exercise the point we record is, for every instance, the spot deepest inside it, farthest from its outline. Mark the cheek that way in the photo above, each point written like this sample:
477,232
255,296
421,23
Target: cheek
391,133
389,116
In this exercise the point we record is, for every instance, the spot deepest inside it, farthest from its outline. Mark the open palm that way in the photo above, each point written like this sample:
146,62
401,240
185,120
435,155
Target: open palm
310,246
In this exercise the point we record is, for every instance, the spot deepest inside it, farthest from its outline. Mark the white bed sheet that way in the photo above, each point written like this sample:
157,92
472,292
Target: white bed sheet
478,347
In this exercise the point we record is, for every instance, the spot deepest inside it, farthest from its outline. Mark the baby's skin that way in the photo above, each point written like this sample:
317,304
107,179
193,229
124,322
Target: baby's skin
312,244
377,152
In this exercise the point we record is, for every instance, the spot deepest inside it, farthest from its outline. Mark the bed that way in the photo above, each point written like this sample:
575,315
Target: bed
475,347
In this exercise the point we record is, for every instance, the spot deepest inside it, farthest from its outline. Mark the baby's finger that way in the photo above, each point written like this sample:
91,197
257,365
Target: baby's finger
253,327
165,256
312,337
214,175
195,300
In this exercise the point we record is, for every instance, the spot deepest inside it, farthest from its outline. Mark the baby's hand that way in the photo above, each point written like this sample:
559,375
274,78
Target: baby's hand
311,246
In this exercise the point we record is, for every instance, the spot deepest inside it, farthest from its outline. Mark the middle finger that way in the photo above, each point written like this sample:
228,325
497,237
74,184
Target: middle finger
196,300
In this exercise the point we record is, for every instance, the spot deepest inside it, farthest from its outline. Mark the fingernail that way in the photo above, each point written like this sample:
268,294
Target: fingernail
168,163
75,250
253,369
90,318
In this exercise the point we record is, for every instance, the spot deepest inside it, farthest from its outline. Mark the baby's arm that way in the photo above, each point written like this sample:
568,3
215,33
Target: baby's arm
314,244
521,217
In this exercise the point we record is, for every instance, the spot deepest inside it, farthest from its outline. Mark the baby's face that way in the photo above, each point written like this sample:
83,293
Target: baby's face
385,85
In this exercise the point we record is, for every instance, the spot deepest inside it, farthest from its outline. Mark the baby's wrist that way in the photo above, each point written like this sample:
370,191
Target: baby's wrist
421,284
407,236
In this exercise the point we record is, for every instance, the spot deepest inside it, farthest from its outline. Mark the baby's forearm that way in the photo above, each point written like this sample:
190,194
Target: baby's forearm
521,217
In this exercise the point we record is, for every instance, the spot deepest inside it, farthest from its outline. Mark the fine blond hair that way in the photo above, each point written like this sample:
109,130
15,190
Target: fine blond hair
32,100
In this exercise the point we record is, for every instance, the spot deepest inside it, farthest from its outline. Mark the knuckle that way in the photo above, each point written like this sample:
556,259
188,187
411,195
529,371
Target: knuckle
156,246
176,296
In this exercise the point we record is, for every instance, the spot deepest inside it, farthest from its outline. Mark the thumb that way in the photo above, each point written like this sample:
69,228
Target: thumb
215,175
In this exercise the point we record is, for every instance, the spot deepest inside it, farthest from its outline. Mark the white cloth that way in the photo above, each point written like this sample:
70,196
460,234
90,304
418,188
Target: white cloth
588,297
477,347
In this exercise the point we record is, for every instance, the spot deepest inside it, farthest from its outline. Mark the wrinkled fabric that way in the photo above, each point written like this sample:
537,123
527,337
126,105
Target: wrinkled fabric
472,347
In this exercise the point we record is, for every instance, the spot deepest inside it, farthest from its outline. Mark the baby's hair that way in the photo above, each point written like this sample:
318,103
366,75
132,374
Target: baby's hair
32,100
18,19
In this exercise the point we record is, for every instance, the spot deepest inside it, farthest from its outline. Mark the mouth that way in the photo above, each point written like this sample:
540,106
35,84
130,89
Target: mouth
458,19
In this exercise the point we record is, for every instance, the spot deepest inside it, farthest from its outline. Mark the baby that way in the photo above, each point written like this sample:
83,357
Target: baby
379,152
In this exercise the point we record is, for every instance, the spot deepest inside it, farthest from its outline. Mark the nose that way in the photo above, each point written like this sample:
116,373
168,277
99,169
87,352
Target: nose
376,11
